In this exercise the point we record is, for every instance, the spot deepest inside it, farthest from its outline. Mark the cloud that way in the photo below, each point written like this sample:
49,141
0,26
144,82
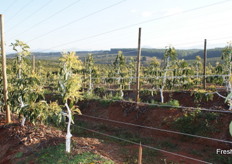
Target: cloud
146,13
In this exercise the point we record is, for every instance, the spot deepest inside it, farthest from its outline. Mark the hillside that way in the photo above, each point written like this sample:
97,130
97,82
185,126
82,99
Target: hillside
108,56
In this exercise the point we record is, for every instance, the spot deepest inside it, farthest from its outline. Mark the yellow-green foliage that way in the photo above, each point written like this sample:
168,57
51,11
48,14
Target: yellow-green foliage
201,95
73,86
70,83
71,61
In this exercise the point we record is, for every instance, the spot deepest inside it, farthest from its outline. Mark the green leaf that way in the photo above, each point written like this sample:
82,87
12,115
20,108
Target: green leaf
228,97
77,111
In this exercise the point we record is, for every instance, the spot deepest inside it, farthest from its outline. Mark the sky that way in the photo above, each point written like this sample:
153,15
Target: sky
74,25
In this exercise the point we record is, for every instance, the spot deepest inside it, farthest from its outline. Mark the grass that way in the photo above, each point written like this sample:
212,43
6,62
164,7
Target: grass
129,155
19,155
221,159
115,131
56,154
197,122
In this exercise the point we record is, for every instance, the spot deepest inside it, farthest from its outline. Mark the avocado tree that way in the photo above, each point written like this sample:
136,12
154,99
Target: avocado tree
131,70
119,65
185,71
154,71
198,68
26,94
89,68
227,58
19,82
170,55
69,87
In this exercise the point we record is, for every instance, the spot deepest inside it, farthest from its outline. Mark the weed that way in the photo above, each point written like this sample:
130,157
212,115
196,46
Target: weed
196,122
19,155
201,95
154,102
105,102
222,159
174,103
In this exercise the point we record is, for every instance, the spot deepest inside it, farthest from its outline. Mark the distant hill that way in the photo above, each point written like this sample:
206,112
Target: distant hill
189,54
108,56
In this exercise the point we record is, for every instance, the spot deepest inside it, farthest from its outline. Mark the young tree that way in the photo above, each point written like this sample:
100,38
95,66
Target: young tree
170,55
227,57
119,64
198,65
26,95
154,71
89,67
22,51
69,87
131,68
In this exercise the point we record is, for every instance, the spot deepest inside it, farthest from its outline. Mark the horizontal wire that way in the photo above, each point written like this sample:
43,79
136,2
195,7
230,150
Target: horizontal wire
147,146
44,20
179,44
158,129
161,77
35,12
177,107
79,19
20,10
135,24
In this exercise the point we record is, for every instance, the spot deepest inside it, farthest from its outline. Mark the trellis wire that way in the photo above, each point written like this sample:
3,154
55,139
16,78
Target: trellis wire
161,77
183,107
147,146
158,129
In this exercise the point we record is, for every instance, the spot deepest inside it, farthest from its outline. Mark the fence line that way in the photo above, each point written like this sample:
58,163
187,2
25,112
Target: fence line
158,129
161,77
183,107
147,146
170,106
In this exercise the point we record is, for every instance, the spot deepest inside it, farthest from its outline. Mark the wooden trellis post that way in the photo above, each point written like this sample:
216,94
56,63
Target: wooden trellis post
4,76
138,66
205,61
140,155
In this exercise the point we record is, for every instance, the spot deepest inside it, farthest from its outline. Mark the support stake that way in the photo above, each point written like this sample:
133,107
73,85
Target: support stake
205,61
4,75
140,154
138,66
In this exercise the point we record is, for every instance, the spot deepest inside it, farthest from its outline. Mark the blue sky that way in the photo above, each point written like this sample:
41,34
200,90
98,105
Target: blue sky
58,25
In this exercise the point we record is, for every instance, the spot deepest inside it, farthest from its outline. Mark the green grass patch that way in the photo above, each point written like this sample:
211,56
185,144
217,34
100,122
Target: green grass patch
222,159
197,122
19,155
57,154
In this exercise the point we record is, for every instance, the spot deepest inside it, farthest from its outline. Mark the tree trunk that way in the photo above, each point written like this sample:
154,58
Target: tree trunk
68,135
161,95
21,106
